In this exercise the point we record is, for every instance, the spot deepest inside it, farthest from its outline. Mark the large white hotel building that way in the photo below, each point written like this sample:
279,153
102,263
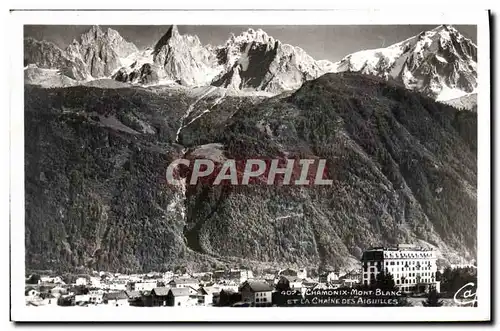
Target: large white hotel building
413,268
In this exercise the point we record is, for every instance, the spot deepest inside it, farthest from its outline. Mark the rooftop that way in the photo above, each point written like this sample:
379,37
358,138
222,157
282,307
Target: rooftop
400,247
160,291
257,286
179,292
208,290
133,294
115,295
184,281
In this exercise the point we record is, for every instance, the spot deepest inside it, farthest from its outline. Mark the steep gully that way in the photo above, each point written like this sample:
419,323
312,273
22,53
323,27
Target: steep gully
192,235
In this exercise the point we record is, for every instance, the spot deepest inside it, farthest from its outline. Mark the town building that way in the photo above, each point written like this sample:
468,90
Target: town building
289,283
184,282
159,296
219,274
349,282
302,273
95,282
118,285
237,275
206,295
81,281
328,276
116,298
288,272
96,297
351,278
462,266
245,275
228,285
413,268
178,297
134,298
50,279
145,286
256,293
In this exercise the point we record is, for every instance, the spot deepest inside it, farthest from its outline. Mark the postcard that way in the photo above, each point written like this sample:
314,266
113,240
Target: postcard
298,165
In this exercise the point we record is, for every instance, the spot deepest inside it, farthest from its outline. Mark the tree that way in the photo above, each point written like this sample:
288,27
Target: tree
453,279
283,284
384,281
432,299
33,279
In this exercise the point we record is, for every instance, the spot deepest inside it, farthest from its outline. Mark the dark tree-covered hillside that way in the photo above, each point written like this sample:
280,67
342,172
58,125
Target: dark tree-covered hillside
403,170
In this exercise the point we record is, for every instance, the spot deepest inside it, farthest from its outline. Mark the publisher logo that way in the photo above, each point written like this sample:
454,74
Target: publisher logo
466,295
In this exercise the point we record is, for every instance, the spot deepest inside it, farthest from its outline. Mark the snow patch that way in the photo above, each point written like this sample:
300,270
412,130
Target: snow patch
441,59
448,93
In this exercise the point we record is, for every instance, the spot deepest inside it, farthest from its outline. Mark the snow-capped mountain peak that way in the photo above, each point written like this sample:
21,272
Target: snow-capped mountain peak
440,63
258,36
256,60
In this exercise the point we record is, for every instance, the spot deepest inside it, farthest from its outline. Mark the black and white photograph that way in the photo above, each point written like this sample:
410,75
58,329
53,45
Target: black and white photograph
174,170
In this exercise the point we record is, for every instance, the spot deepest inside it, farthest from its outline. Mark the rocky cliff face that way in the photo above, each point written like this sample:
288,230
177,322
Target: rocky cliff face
96,50
256,60
47,55
97,54
440,63
146,74
403,170
121,47
184,59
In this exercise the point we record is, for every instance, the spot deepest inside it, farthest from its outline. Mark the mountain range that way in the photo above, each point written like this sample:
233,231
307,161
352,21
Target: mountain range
440,63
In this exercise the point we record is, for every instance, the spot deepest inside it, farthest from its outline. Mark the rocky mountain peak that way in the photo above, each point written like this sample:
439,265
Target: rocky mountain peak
101,51
184,59
95,32
122,47
446,28
173,32
257,60
258,36
440,63
47,55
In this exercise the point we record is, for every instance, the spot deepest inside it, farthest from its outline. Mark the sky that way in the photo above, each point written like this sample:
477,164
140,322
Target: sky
328,42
